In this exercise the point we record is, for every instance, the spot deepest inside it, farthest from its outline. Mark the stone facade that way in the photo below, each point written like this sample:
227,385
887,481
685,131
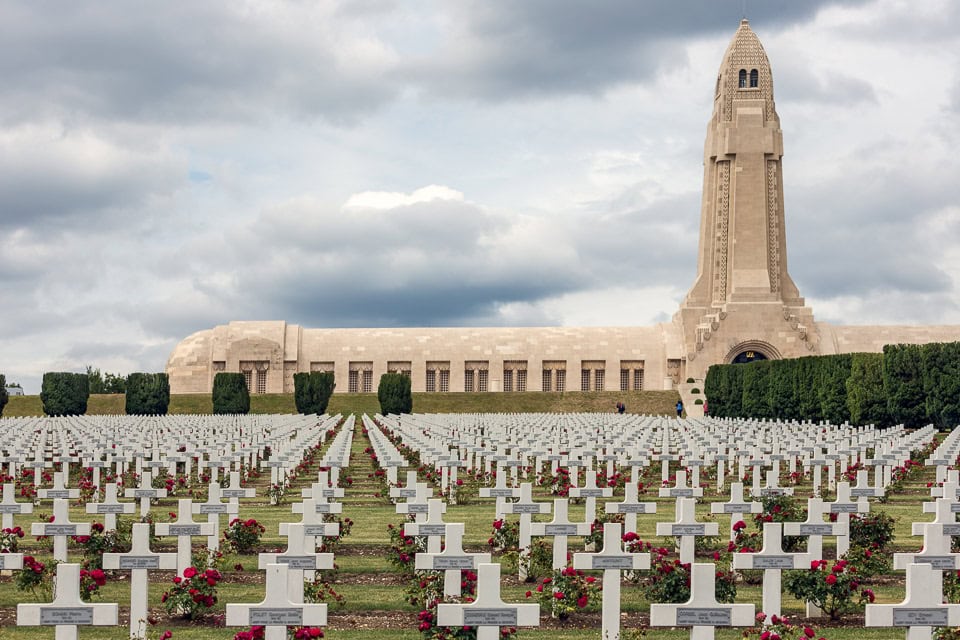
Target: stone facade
743,300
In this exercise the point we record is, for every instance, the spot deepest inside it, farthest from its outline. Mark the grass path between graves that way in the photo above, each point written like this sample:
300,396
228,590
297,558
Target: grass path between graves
375,601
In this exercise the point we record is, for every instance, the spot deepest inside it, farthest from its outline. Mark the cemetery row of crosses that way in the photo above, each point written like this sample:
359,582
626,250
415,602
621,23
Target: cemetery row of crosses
489,523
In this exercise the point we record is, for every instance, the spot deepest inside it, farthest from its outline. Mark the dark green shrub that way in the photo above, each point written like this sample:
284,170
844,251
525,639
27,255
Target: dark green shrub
832,387
806,388
698,401
903,384
65,394
756,379
312,391
230,393
941,383
147,394
394,394
4,396
695,391
690,380
865,396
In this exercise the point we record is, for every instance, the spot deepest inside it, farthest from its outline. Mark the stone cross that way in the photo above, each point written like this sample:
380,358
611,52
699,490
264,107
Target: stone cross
68,610
815,529
417,506
736,506
630,507
184,528
921,610
145,493
843,507
214,508
681,489
501,492
702,613
686,528
526,507
300,557
276,612
9,507
488,612
612,560
59,490
452,560
234,492
772,487
863,488
433,528
110,507
138,561
407,491
60,529
772,559
591,492
560,529
935,551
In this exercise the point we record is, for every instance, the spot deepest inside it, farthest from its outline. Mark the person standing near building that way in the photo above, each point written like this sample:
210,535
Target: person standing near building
679,408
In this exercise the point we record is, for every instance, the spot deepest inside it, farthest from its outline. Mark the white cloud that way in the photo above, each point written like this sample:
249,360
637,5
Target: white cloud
390,200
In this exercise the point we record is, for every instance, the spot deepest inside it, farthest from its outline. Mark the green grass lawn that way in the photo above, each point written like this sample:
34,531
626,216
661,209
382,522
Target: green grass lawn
646,402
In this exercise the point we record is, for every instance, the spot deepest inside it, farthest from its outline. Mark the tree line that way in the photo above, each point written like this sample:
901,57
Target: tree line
908,384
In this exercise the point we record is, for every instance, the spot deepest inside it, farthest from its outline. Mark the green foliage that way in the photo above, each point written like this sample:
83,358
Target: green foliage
782,391
808,398
756,381
312,391
832,387
230,393
903,384
394,394
65,394
872,530
147,394
4,397
866,399
834,589
105,383
941,383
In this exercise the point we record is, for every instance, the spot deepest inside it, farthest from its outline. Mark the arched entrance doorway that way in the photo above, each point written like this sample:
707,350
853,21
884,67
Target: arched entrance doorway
749,355
752,351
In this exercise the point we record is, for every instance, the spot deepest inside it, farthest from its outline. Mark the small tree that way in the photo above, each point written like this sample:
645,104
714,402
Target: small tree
394,394
903,383
147,394
4,396
230,393
65,394
312,391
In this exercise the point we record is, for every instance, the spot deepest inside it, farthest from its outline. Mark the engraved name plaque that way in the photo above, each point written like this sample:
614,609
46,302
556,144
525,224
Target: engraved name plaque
139,562
816,529
185,530
559,529
489,617
66,615
276,617
700,617
442,563
689,529
772,562
920,617
612,562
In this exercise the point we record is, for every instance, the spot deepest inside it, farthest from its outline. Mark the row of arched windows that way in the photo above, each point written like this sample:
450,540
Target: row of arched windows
754,78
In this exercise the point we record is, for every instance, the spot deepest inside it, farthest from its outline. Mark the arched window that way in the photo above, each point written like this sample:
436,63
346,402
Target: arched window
754,78
743,78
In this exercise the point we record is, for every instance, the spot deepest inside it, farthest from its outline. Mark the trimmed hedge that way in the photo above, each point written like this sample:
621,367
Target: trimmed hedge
4,396
147,394
64,393
230,394
394,394
906,384
312,391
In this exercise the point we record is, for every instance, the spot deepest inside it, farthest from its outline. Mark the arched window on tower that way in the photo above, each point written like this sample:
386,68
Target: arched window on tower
743,78
754,78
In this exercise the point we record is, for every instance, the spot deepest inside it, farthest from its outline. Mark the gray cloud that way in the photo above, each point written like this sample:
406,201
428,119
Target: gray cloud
184,62
546,47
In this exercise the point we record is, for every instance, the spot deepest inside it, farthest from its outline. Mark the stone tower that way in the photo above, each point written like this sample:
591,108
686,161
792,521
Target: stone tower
743,304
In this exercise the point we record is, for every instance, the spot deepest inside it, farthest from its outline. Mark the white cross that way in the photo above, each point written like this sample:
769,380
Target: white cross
67,610
138,561
702,613
488,612
560,529
300,557
214,508
110,507
452,560
9,507
60,529
145,493
184,528
772,559
612,560
736,506
921,610
276,612
686,528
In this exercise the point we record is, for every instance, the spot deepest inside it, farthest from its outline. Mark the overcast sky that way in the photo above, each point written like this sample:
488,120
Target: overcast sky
444,163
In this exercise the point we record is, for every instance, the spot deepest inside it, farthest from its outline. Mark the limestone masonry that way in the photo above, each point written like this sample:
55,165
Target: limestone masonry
742,306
